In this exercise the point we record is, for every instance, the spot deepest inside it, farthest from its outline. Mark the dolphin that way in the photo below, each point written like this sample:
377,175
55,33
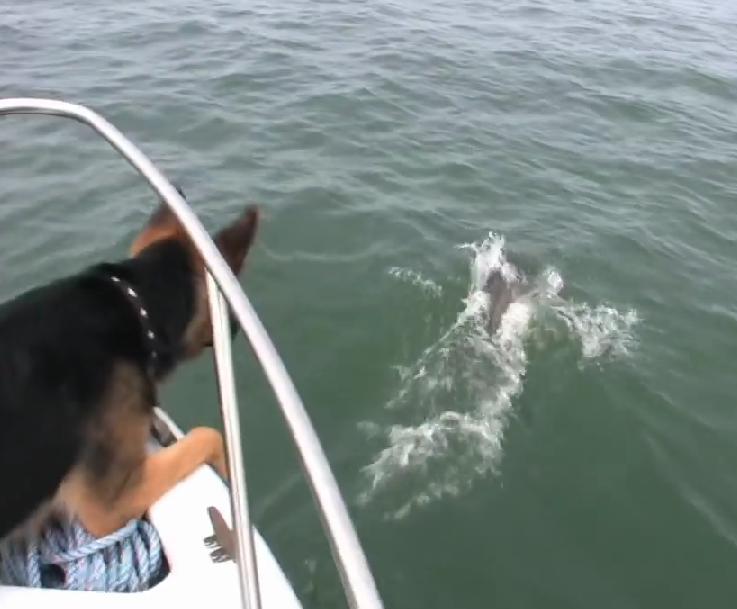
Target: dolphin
502,292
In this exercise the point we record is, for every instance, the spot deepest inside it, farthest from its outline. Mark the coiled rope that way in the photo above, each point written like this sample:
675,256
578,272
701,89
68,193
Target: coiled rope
65,556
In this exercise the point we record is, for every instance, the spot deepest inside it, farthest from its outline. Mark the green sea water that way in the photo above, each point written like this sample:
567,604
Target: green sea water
582,458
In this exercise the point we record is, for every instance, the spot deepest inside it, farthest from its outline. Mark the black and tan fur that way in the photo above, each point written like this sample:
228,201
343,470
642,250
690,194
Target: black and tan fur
77,391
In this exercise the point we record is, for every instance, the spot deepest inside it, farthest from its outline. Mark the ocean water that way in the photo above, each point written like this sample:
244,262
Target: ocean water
585,455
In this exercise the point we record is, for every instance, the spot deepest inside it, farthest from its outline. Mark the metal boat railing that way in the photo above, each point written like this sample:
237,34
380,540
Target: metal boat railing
225,291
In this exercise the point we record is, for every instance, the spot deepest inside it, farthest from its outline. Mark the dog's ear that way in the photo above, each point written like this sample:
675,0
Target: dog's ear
235,240
162,224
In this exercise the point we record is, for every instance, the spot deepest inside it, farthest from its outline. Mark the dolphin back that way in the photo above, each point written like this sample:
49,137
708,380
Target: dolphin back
501,294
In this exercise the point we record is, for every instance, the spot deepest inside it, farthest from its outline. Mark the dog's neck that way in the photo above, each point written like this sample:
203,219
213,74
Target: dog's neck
164,285
149,335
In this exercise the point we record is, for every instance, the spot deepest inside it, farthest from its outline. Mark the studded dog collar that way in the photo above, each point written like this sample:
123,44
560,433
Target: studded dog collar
149,335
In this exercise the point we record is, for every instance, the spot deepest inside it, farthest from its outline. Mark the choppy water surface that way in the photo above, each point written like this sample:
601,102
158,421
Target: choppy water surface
584,456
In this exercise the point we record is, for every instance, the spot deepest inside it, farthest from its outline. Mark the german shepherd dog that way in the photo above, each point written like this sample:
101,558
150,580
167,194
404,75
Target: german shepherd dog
80,361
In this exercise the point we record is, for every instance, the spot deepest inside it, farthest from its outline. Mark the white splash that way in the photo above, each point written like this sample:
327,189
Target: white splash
489,255
602,330
455,399
414,278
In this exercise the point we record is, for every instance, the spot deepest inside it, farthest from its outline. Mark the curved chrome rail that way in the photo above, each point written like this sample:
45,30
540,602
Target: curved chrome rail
355,574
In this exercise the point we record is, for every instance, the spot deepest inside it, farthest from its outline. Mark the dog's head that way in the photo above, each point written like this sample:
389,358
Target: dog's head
233,242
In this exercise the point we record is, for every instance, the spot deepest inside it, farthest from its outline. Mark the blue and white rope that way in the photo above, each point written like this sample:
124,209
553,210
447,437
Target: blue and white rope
67,557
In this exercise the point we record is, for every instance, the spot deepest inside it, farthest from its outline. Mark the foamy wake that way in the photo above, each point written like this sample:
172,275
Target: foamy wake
455,399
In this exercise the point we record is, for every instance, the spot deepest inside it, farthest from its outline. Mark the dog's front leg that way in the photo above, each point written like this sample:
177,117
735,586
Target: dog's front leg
158,473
